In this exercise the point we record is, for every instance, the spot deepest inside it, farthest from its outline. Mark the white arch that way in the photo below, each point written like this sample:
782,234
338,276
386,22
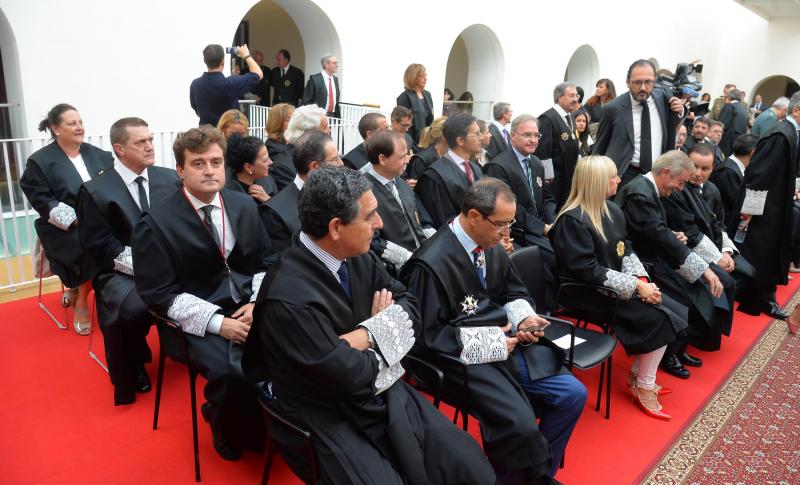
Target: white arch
11,74
771,88
486,62
583,69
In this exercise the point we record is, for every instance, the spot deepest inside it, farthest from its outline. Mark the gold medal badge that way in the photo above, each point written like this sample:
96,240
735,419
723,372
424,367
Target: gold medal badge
620,249
470,305
287,83
564,136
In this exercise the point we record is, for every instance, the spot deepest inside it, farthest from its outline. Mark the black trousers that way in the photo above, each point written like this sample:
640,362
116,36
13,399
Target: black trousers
125,341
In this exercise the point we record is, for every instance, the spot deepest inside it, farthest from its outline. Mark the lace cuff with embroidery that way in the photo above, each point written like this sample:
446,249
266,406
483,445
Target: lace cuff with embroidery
692,268
387,374
707,250
192,313
481,345
631,265
391,329
124,262
395,254
727,243
429,232
754,201
517,311
623,283
62,216
258,278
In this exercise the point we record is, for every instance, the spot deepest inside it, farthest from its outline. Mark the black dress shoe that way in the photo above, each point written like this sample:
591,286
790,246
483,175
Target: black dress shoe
775,311
224,449
123,397
674,367
689,360
142,380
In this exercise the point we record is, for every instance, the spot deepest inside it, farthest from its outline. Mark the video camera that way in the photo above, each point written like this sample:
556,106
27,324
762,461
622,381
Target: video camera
684,82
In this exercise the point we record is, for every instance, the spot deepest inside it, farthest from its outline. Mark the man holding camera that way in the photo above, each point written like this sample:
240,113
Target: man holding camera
212,93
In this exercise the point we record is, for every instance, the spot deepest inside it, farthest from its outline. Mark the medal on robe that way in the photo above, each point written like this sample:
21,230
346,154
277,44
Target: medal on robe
470,305
539,181
620,249
481,260
564,136
287,83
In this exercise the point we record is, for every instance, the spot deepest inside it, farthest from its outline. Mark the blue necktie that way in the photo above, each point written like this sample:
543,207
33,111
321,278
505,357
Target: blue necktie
480,263
344,279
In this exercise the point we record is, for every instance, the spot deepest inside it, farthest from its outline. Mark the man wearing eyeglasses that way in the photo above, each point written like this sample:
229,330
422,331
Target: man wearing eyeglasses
523,172
640,125
475,308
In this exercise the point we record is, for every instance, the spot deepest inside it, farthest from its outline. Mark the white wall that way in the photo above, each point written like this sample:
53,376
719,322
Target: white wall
113,58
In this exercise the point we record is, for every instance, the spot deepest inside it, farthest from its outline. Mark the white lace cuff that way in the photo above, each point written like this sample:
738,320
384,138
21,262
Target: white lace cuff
624,284
429,232
692,268
256,285
124,262
727,243
631,265
192,313
482,344
387,374
517,311
62,216
395,254
707,250
754,201
391,329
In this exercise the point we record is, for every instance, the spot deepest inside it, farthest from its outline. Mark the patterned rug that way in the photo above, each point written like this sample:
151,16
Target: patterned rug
749,432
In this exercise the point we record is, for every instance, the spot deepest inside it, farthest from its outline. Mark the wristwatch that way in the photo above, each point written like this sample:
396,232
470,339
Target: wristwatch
371,339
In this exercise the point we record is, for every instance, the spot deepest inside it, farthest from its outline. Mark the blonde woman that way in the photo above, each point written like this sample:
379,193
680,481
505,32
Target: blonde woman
233,121
590,241
433,145
280,152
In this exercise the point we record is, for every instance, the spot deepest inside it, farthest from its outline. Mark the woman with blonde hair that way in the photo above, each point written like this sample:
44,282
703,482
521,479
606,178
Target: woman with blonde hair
279,150
417,99
433,145
233,121
590,241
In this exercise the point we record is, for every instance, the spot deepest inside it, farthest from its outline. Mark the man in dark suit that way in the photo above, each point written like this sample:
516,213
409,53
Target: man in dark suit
286,80
401,121
729,174
715,130
312,151
322,88
523,172
502,113
699,132
108,208
640,125
758,105
558,147
368,125
735,118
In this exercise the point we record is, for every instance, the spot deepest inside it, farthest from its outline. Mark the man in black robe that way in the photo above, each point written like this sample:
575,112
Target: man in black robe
558,147
441,187
729,175
765,205
108,208
678,271
735,118
199,257
312,151
334,327
406,225
501,137
699,131
523,172
367,126
475,307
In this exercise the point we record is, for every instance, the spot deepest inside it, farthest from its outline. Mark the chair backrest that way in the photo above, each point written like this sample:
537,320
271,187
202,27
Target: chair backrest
529,265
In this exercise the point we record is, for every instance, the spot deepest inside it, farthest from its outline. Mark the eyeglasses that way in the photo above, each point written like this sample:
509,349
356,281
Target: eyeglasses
646,82
528,136
476,133
337,158
500,227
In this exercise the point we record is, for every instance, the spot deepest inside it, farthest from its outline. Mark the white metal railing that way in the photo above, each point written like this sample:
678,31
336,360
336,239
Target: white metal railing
343,131
354,112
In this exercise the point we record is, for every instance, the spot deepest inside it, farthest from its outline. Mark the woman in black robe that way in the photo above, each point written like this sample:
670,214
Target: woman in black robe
280,152
590,241
51,181
433,147
248,160
416,98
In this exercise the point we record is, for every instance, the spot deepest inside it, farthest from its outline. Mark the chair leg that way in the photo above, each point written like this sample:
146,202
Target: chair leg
162,359
44,308
193,393
600,386
608,390
268,462
455,416
91,334
563,459
465,420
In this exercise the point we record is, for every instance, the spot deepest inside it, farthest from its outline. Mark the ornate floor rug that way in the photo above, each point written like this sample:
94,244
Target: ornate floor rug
749,432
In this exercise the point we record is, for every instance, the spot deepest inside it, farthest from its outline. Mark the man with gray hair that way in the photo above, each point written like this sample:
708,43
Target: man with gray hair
735,118
501,137
322,88
680,272
334,327
766,207
770,117
558,145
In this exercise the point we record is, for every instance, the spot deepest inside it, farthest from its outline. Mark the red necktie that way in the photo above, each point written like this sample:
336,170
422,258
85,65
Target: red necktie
468,171
330,94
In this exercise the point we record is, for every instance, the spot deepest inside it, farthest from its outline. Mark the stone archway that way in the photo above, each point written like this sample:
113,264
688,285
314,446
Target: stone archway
477,64
583,69
11,114
773,87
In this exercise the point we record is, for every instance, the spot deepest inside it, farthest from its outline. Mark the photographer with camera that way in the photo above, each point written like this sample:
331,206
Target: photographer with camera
212,93
640,125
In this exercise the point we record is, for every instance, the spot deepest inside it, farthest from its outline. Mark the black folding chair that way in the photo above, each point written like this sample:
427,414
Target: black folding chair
423,376
528,263
273,447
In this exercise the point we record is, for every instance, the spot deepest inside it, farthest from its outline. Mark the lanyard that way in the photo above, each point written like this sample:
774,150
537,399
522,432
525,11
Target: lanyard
222,206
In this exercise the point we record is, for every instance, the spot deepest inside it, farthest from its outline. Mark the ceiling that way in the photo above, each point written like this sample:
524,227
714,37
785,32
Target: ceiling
773,9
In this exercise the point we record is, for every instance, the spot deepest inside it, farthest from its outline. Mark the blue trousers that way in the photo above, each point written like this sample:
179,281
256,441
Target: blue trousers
560,400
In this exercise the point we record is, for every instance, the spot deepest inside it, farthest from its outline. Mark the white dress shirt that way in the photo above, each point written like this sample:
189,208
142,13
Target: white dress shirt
466,242
80,166
129,178
298,182
451,155
739,164
331,262
655,130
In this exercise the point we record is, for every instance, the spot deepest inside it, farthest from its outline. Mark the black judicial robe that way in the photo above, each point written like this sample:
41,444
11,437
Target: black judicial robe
441,189
585,257
558,144
284,218
656,244
735,118
442,277
322,382
50,178
497,144
773,168
421,161
282,169
422,111
728,179
234,184
356,158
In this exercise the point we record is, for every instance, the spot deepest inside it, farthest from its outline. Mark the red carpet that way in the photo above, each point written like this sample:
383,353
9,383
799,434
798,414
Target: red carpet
60,426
